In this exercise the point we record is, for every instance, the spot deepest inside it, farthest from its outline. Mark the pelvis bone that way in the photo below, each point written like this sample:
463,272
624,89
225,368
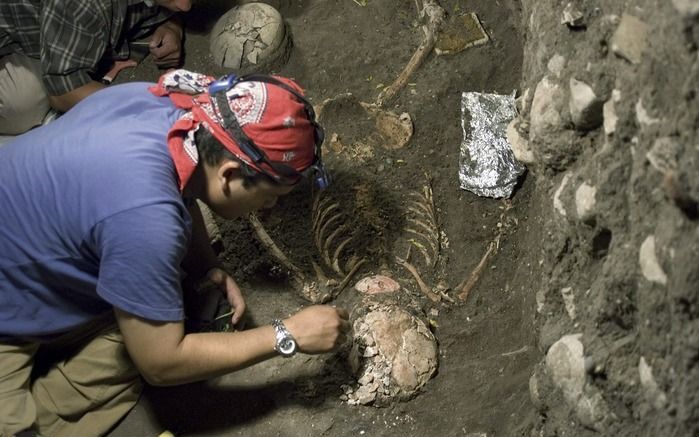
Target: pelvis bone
371,127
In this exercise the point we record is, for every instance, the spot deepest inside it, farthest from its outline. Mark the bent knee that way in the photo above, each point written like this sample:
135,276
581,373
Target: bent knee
23,100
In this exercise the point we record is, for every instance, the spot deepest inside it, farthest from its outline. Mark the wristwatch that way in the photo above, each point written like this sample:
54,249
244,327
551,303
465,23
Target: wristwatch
286,344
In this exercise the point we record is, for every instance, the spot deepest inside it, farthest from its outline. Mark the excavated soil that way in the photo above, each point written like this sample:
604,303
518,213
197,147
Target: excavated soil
487,342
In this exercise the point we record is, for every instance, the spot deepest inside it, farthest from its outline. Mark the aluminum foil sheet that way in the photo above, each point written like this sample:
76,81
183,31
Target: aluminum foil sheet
487,165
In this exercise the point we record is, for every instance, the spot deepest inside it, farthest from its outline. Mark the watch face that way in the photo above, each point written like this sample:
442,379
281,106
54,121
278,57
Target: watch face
287,346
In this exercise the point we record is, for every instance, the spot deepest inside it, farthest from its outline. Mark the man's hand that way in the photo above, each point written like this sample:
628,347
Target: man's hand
233,293
166,44
319,328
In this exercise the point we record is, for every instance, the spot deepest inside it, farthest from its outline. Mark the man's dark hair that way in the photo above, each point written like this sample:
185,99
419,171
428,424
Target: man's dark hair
211,152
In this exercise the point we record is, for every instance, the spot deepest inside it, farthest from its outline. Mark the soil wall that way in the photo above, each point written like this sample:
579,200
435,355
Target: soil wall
608,125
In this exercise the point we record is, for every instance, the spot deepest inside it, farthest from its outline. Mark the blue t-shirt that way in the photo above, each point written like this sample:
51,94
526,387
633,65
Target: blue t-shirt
91,216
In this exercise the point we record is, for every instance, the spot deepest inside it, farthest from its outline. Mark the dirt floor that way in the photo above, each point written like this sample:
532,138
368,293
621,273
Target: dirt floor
487,343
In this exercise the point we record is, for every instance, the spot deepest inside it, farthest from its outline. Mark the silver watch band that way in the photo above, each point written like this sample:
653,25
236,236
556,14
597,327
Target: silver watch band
285,342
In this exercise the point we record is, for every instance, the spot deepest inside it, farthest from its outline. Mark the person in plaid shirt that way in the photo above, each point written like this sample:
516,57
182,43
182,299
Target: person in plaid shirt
52,51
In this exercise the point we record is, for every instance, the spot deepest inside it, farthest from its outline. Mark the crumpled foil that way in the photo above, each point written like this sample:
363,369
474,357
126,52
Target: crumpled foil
487,165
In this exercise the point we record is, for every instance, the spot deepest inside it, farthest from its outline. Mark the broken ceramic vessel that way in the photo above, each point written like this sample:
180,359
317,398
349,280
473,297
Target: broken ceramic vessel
393,352
251,37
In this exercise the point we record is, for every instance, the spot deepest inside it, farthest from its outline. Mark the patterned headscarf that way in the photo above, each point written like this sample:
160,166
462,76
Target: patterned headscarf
269,115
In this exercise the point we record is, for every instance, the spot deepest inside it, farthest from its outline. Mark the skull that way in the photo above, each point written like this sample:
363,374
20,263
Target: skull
250,37
393,353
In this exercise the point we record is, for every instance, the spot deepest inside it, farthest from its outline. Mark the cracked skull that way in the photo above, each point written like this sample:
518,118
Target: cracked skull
393,354
249,37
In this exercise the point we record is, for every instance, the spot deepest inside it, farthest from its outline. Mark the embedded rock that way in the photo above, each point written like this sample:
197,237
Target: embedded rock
519,145
630,39
546,109
566,364
642,115
551,141
654,395
664,155
585,202
585,107
572,16
609,113
556,64
557,202
650,267
688,8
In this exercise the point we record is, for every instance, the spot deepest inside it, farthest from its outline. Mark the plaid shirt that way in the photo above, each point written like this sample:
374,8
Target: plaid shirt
71,37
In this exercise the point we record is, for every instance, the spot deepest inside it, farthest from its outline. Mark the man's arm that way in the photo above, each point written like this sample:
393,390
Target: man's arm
165,355
140,252
66,101
201,261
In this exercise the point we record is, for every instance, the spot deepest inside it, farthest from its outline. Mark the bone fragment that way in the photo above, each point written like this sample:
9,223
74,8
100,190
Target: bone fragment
422,209
352,262
431,230
321,232
317,292
420,224
328,242
319,218
320,274
423,250
316,210
434,297
336,256
425,199
435,18
421,205
337,290
465,287
297,277
431,241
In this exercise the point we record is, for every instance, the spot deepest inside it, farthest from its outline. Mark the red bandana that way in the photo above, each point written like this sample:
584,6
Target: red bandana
271,116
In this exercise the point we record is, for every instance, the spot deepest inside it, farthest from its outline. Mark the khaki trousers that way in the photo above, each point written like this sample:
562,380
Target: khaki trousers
23,99
88,385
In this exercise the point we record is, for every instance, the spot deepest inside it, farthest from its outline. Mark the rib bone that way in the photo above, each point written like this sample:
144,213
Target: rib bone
434,297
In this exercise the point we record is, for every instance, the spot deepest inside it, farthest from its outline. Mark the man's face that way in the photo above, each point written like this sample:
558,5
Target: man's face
175,5
243,200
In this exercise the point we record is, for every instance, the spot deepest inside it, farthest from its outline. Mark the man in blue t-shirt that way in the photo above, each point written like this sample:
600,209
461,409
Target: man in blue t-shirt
98,214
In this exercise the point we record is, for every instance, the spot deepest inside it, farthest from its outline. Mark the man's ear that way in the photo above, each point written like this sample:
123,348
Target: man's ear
227,171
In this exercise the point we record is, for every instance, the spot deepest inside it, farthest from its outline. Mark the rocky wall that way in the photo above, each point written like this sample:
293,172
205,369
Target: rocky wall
609,116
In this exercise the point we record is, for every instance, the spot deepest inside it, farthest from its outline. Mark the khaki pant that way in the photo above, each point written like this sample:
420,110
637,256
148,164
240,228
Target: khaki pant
23,99
88,385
